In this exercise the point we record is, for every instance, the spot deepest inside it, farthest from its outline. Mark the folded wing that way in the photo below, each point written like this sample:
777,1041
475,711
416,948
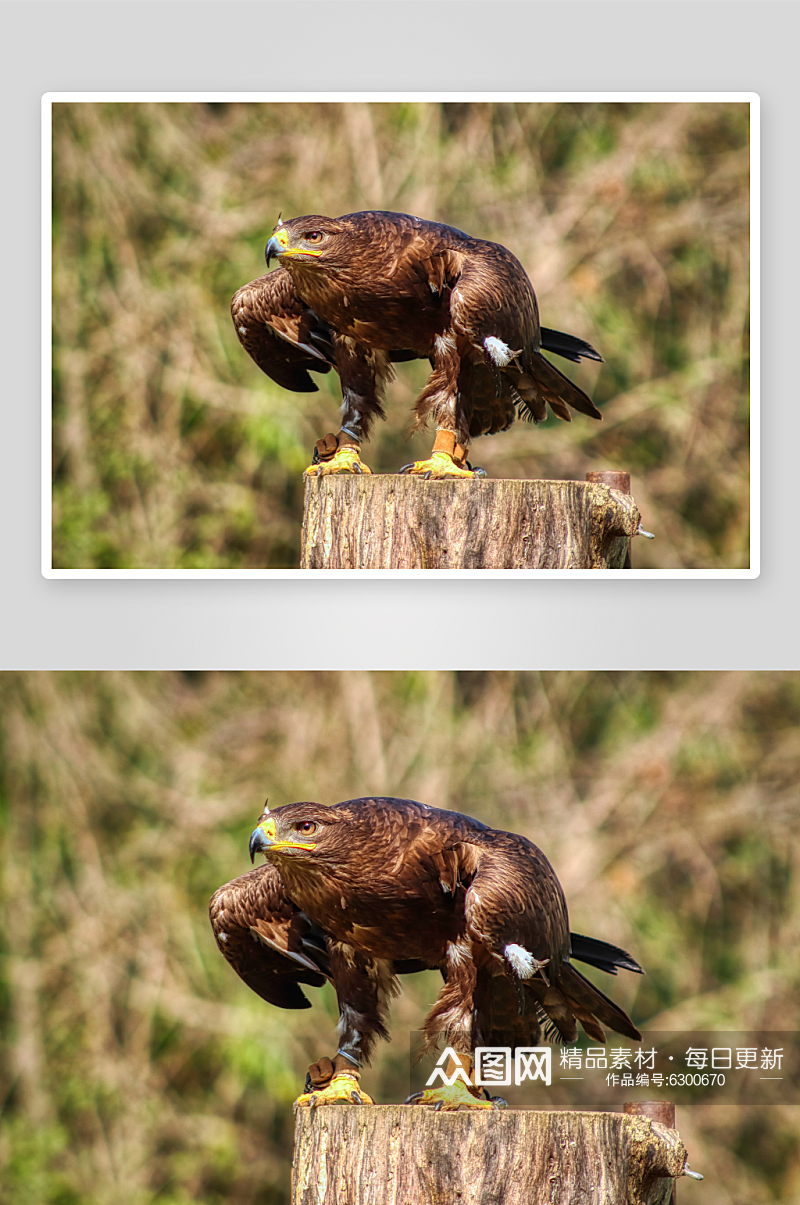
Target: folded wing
516,911
280,332
269,942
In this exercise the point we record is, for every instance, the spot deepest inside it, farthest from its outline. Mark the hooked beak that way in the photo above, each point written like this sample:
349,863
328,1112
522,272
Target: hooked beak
276,247
264,840
259,842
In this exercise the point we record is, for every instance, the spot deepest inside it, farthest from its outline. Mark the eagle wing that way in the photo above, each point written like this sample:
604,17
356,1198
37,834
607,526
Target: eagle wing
271,944
280,332
493,298
493,305
268,941
514,898
516,911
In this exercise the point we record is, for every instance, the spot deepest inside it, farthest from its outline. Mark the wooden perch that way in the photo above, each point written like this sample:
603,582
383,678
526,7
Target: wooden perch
407,1155
400,522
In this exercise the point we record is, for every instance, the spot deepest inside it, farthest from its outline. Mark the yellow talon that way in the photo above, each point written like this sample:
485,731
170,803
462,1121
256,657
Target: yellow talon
346,459
447,1098
439,464
343,1089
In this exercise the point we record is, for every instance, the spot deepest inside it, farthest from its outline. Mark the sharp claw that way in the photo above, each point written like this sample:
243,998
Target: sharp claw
354,1096
357,468
426,476
406,467
409,1100
439,1105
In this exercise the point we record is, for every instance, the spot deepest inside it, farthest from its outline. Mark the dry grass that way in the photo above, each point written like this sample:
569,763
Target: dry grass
171,449
135,1067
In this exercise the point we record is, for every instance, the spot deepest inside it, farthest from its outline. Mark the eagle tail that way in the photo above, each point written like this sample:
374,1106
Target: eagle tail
601,954
549,1030
568,346
591,1006
542,383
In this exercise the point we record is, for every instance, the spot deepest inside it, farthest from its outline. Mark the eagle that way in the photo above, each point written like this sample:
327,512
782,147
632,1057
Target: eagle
364,891
364,291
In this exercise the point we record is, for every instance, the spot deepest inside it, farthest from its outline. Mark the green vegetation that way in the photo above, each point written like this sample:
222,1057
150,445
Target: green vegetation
135,1067
171,449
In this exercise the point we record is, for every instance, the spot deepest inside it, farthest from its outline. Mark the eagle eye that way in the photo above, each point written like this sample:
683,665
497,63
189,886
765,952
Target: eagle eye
306,826
314,236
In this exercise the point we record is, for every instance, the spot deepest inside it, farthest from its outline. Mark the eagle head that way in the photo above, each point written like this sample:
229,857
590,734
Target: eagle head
294,829
301,240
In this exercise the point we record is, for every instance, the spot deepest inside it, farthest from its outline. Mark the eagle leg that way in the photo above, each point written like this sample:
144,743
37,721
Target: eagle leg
442,461
364,986
363,374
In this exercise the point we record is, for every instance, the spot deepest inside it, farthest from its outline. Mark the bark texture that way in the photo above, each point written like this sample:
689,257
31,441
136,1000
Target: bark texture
399,522
406,1155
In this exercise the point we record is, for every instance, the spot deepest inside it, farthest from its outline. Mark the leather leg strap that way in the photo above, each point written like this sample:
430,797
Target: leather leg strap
445,442
327,446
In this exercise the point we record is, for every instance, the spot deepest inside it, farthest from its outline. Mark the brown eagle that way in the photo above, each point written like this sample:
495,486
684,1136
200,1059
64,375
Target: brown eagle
366,290
372,888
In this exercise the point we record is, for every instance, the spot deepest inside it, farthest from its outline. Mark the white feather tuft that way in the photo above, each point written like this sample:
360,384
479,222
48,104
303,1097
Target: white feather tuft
523,963
500,352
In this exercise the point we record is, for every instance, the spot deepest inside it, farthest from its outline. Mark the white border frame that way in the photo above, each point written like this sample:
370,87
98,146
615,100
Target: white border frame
751,98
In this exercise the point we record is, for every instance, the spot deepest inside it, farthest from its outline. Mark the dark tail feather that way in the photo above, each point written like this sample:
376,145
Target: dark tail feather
592,1006
555,387
600,954
568,346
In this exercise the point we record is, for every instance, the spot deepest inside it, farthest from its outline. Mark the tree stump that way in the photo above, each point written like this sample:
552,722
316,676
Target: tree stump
401,522
407,1155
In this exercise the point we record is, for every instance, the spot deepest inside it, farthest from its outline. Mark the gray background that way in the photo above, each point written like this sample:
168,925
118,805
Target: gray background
449,46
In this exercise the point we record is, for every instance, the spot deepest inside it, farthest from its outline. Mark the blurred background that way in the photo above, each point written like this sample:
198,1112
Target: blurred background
171,448
135,1067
